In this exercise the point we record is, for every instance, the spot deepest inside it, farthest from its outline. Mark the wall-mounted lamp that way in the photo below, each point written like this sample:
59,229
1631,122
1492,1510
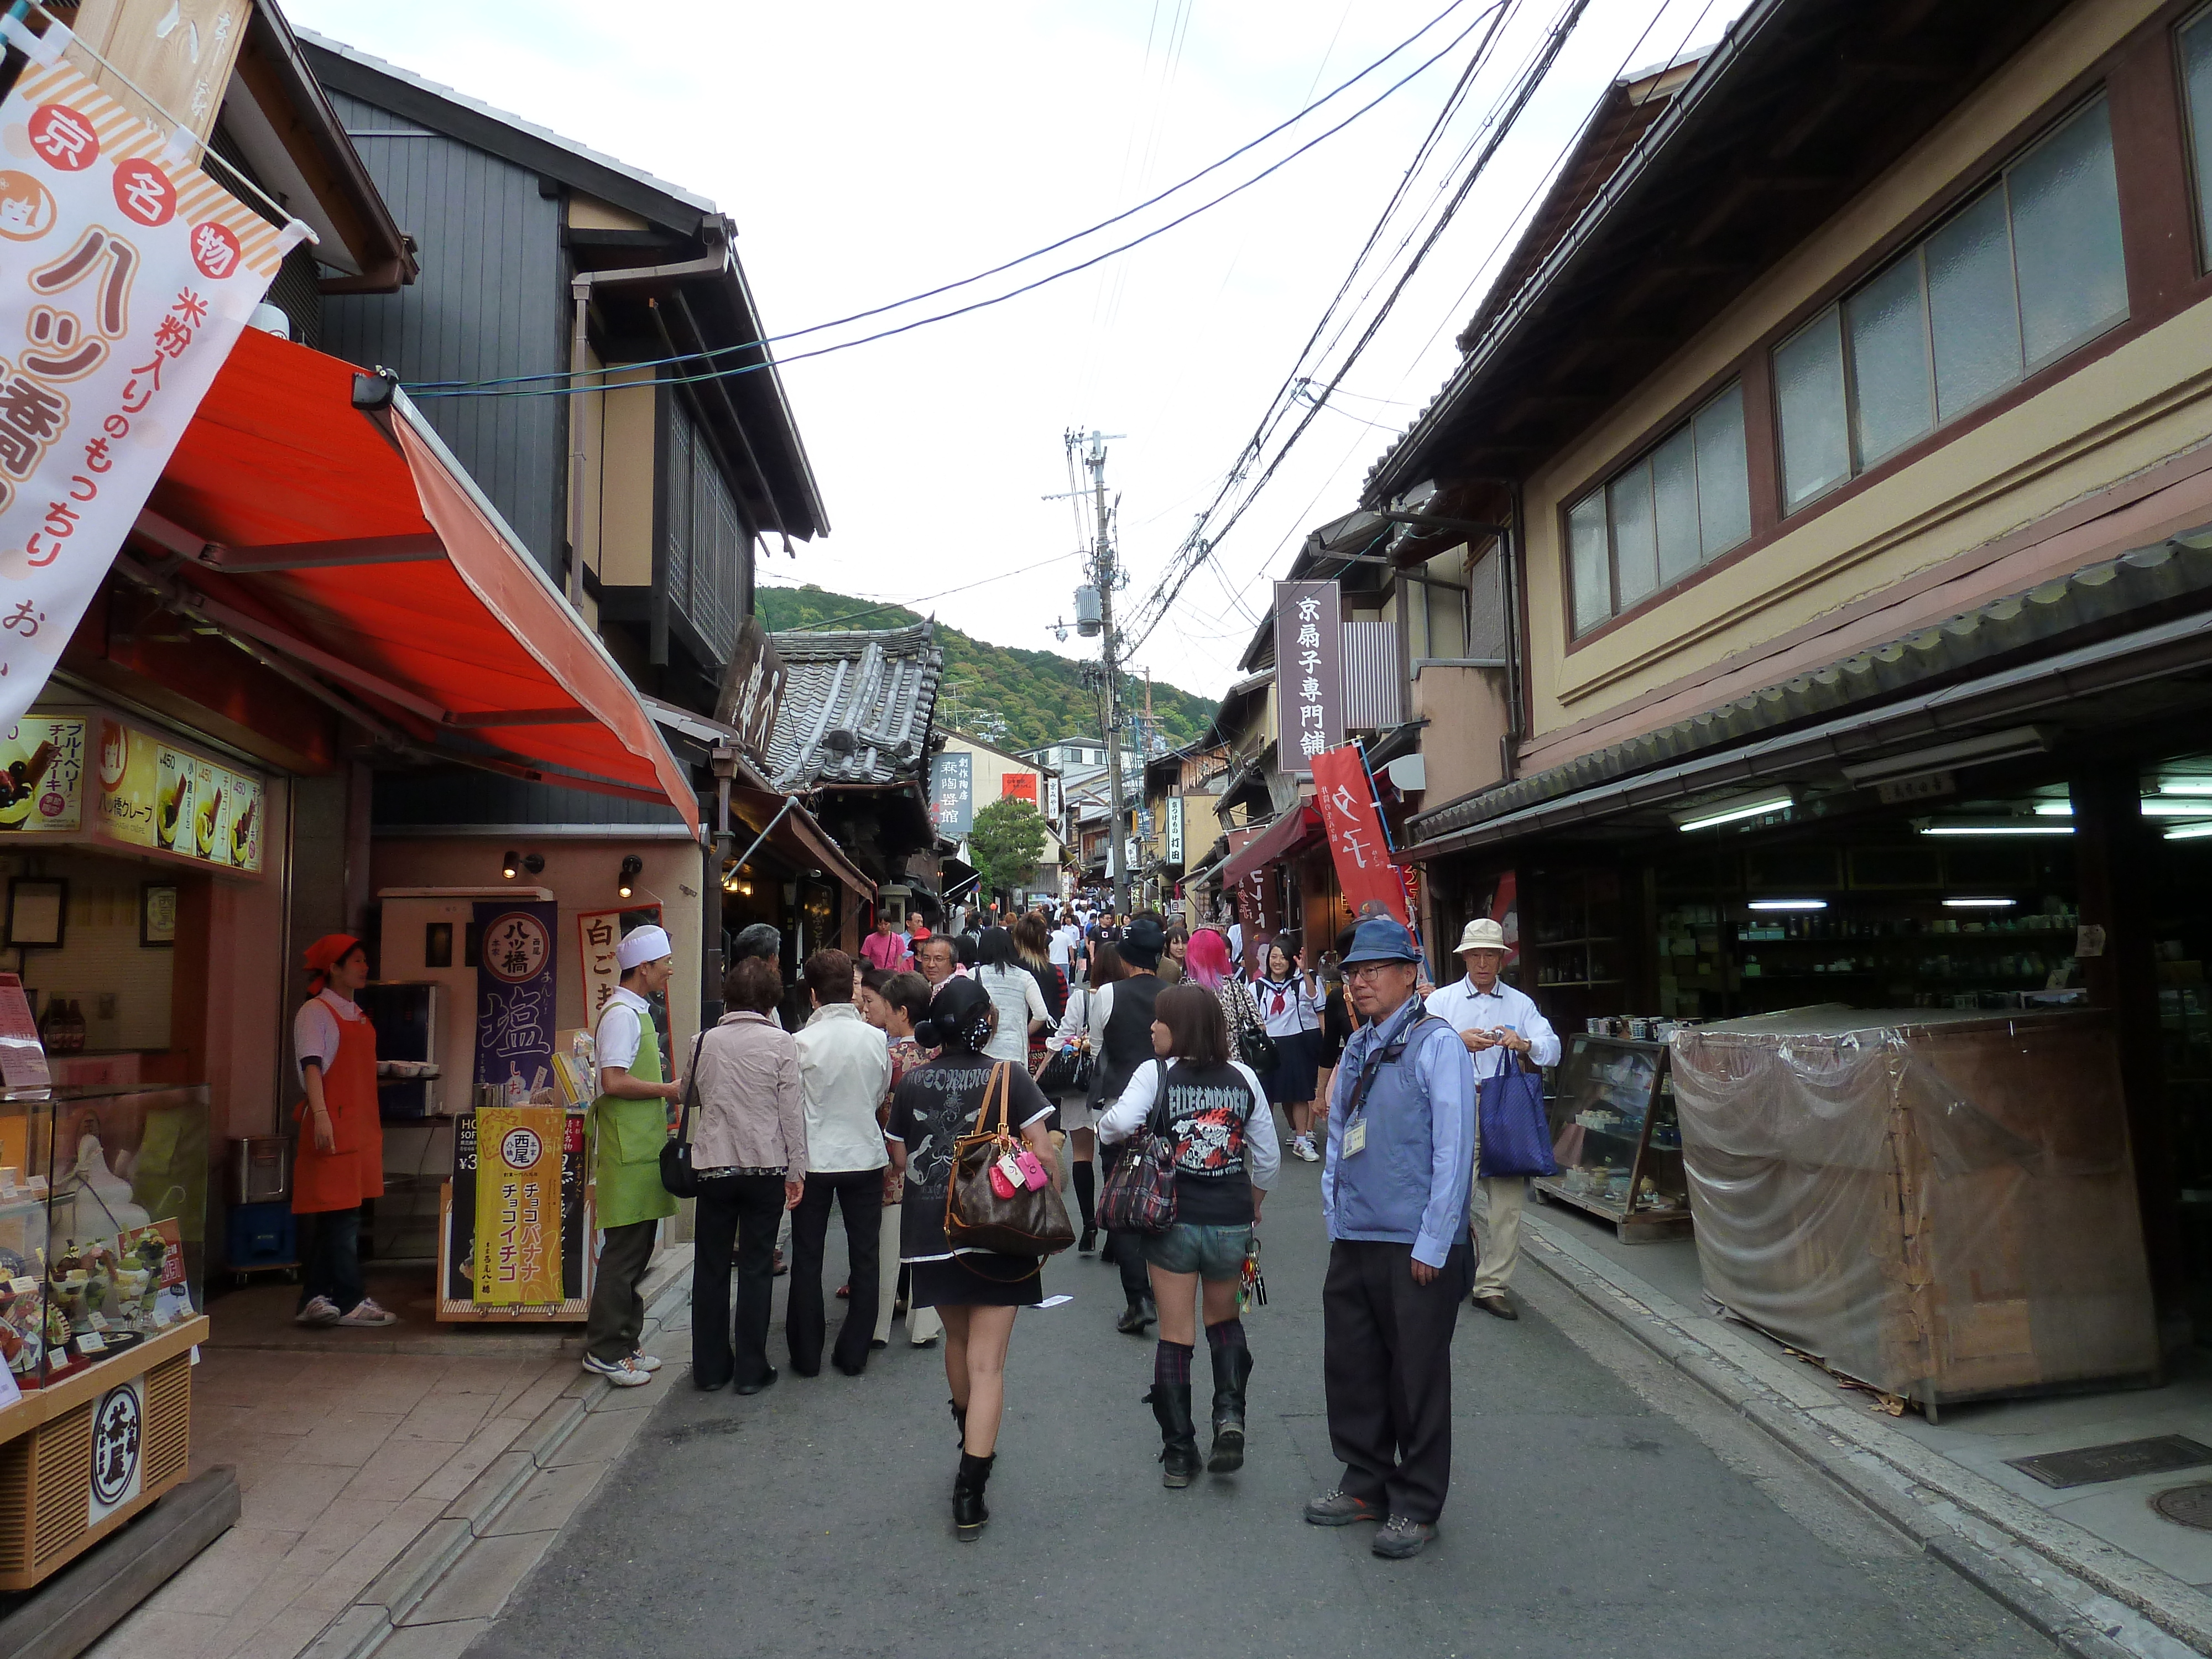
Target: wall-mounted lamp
514,863
632,867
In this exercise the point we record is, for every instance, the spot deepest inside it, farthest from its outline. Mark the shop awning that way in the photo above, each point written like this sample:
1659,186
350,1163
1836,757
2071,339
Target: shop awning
797,837
1287,836
347,549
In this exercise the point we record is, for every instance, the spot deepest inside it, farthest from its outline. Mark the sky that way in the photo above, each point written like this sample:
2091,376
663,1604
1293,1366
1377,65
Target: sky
869,151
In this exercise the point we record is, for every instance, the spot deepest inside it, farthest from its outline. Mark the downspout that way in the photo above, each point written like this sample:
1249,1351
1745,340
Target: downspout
1512,549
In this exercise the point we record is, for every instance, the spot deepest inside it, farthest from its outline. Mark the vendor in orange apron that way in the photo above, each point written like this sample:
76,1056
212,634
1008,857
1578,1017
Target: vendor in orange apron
340,1160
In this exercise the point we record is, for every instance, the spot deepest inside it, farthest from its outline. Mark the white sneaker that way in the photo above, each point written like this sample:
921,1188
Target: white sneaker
366,1312
619,1373
645,1362
1303,1147
320,1310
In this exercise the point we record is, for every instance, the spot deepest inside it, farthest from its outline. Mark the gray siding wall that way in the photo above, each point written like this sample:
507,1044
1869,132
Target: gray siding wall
490,303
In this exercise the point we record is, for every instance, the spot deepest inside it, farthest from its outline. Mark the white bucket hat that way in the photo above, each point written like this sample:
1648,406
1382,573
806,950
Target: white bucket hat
1483,934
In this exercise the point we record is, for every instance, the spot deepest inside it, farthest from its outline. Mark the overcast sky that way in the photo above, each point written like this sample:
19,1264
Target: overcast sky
869,150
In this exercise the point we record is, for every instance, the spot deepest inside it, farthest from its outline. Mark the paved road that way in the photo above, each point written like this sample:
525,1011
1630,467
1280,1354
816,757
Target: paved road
1601,1505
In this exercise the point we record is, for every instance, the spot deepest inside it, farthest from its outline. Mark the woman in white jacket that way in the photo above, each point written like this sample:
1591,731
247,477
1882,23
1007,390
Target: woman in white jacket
1078,1118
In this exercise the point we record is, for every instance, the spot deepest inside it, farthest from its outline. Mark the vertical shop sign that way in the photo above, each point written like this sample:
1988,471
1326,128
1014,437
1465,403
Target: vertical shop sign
1309,673
1175,828
518,1239
952,794
132,275
599,933
515,981
1357,842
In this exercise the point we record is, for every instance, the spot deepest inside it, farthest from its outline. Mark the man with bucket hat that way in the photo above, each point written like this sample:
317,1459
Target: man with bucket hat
1394,1194
1499,1026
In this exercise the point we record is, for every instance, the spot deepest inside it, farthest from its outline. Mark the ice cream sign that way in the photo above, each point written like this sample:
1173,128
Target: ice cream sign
90,775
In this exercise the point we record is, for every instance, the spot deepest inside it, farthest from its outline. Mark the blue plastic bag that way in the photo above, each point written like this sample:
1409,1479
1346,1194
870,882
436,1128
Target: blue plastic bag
1515,1135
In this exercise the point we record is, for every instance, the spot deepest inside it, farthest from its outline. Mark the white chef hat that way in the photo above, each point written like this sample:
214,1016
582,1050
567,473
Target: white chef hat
643,945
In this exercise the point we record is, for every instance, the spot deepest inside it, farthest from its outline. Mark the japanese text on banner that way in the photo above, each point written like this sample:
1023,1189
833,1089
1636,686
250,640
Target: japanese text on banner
1309,672
518,1244
1357,842
134,273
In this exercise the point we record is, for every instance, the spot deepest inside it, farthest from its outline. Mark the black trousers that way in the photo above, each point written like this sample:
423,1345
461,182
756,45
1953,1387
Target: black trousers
1129,1249
617,1318
745,1210
858,1193
1386,1363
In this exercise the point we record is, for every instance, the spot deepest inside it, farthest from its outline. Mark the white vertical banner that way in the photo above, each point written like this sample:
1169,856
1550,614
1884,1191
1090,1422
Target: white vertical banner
126,275
1175,828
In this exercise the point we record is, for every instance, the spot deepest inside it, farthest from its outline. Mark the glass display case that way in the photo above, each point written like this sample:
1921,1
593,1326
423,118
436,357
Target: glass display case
1614,1133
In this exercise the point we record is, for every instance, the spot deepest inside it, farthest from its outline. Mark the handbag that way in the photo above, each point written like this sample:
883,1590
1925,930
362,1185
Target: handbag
1140,1193
677,1174
1029,1221
1514,1131
1068,1071
1254,1046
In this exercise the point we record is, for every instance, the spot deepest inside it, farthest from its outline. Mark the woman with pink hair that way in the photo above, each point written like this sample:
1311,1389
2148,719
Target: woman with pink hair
1207,962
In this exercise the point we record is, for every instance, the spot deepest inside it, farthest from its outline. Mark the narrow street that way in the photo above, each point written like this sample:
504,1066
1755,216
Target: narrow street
1603,1504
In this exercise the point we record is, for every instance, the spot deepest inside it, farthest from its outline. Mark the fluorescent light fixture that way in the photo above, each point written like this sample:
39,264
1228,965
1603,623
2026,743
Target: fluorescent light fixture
1729,811
1979,903
2054,809
1966,751
2158,807
2190,831
1994,827
1790,904
2186,787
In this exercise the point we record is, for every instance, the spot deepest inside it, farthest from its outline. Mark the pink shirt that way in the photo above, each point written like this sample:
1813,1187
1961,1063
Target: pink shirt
887,952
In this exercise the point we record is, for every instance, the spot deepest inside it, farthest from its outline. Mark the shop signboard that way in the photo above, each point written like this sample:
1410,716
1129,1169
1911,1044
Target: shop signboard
138,790
42,775
1175,828
518,1256
458,1268
132,276
952,794
1309,673
599,933
1358,844
752,689
1018,785
515,969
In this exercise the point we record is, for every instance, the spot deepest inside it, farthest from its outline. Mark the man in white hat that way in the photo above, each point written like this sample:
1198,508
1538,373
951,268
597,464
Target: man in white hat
629,1126
1498,1024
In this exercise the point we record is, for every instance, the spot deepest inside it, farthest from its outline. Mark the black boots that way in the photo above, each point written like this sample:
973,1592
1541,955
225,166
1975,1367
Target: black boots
1135,1317
1232,1367
1171,1404
969,1514
959,1423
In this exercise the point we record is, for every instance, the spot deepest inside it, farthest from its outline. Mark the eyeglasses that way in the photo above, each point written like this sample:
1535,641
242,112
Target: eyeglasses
1368,969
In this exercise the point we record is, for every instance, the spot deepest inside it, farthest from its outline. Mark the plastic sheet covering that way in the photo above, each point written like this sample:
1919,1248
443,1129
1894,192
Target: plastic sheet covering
1940,1204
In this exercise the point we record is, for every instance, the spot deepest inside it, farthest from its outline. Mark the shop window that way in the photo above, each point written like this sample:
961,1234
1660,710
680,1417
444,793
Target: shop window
2195,42
2028,271
1653,522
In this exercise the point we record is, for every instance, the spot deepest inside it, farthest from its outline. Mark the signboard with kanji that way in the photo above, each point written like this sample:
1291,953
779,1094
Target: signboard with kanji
129,276
1309,673
599,935
515,964
1020,785
952,794
518,1239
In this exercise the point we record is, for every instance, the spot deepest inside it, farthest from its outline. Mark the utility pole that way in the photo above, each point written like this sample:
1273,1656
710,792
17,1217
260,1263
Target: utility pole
1106,576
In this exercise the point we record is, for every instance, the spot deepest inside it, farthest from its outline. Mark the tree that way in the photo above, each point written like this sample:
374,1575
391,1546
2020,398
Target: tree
1006,844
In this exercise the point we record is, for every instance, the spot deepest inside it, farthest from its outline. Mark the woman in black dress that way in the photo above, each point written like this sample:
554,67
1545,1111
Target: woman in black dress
976,1292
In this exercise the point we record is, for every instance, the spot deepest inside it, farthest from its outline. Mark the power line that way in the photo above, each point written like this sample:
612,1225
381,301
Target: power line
909,605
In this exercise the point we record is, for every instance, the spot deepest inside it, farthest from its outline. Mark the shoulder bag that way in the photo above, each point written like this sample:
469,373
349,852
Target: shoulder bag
1140,1194
1067,1071
677,1174
1254,1046
1513,1132
1033,1222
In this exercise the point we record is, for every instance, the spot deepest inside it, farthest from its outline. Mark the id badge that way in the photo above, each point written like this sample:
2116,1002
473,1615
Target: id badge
1355,1137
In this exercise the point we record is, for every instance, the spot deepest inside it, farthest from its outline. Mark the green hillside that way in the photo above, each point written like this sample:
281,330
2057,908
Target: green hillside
1017,698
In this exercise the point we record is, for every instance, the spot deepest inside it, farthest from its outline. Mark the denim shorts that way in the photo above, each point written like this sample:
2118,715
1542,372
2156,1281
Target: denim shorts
1215,1253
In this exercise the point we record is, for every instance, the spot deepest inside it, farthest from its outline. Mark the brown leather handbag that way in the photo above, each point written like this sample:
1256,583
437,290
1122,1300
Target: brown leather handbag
1033,1222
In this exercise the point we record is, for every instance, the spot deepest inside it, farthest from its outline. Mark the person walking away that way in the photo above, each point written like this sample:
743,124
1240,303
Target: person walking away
749,1151
1498,1024
974,1291
1033,945
1014,993
844,1071
1290,1008
895,1004
1226,1157
629,1126
1079,1116
1066,946
339,1163
1121,1038
883,948
1393,1195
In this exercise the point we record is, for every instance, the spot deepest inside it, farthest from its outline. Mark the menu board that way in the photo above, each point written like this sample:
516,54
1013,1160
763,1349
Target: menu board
42,774
144,791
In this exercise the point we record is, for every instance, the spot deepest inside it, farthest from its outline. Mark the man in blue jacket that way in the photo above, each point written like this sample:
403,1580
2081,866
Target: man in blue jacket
1394,1193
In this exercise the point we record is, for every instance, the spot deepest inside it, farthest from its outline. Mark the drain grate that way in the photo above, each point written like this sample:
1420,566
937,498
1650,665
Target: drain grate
2191,1506
2088,1465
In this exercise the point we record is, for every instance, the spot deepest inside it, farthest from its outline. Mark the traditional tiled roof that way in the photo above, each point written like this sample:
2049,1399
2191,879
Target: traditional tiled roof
856,707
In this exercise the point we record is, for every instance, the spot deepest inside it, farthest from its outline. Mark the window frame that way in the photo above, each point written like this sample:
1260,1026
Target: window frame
2199,188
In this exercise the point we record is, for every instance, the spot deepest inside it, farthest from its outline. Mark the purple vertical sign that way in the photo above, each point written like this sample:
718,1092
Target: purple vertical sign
1309,673
514,992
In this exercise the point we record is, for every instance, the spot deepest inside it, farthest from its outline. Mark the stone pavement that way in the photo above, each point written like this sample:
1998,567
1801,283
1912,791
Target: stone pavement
1603,1504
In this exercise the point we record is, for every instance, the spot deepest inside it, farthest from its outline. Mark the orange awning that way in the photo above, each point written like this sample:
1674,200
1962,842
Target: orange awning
350,546
1293,833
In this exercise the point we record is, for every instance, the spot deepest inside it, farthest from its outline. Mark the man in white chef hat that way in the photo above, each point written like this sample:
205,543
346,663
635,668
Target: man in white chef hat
629,1126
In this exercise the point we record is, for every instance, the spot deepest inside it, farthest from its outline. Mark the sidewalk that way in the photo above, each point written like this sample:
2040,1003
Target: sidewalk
368,1470
2094,1567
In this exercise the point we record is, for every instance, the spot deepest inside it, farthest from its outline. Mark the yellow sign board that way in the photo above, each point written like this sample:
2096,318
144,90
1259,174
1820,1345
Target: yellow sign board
518,1241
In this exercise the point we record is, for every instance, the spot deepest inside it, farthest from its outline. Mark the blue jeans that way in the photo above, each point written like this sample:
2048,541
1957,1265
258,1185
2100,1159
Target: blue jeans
331,1264
1215,1253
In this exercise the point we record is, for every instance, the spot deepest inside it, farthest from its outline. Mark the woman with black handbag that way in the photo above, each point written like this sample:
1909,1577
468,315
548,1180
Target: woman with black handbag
1121,1037
1212,1114
1071,1065
976,1291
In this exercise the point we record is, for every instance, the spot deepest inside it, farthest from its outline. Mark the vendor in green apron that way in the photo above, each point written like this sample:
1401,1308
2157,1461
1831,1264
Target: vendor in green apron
629,1126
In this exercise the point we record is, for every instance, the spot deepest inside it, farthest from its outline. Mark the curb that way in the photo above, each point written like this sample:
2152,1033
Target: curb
2091,1598
377,1615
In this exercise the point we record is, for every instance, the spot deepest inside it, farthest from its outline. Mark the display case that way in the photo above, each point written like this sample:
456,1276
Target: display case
1614,1133
103,1207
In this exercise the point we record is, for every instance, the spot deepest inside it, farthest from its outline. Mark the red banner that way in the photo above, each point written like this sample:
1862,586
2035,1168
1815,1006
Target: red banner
1346,795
